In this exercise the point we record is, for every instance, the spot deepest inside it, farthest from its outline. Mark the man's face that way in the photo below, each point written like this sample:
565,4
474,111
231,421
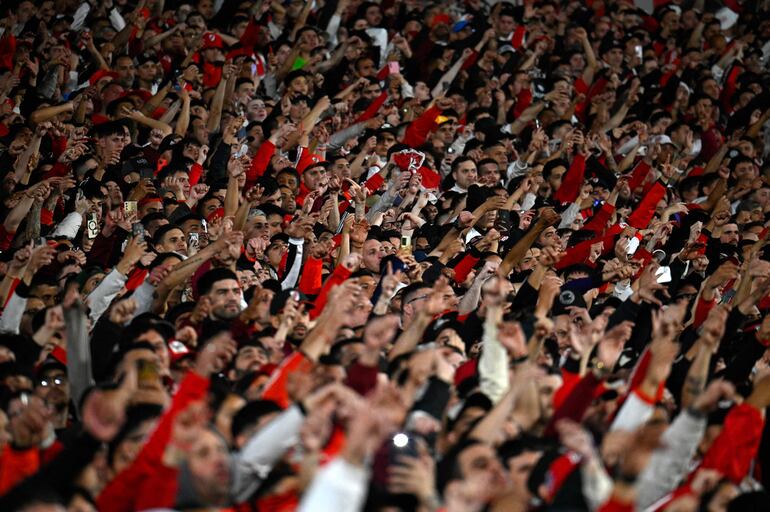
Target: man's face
210,206
248,359
549,237
151,207
192,226
341,168
46,293
365,67
546,388
745,171
208,462
245,92
128,449
256,111
184,179
159,348
147,71
446,133
54,388
173,241
554,179
126,71
373,254
226,297
519,468
34,305
111,144
206,8
200,132
465,174
298,110
505,25
614,57
315,177
191,151
309,40
703,108
489,174
730,234
367,284
498,154
747,149
288,199
274,222
384,142
112,92
371,91
480,463
91,283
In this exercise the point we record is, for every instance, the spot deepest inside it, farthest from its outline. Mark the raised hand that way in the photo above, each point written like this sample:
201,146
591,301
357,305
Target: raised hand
380,331
104,411
122,312
31,424
648,285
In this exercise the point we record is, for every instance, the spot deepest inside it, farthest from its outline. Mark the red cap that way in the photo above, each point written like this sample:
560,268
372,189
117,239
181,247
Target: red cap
141,93
218,213
439,19
102,73
212,40
148,200
177,350
465,371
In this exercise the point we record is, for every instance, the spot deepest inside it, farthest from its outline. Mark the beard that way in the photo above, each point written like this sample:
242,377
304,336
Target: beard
226,313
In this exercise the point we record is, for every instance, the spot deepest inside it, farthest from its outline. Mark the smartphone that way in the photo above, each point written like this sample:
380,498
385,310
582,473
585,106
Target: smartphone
401,444
147,373
663,274
137,231
193,241
146,173
638,51
241,151
633,245
394,68
130,207
554,145
406,243
92,226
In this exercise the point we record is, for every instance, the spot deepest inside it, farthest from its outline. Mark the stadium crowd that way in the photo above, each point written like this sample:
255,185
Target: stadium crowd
350,255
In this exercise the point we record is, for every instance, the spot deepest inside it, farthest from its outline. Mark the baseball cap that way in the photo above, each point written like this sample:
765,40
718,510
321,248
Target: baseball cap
212,40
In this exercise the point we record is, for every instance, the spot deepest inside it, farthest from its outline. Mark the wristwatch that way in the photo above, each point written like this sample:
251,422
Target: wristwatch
599,368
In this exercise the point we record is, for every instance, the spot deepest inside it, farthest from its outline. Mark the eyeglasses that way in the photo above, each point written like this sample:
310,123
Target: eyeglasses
421,297
55,381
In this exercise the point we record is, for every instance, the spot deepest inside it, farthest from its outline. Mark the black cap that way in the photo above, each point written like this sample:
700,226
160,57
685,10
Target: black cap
279,300
567,298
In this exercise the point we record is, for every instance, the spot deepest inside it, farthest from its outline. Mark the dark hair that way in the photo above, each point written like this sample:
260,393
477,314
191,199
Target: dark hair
161,232
207,280
553,164
250,414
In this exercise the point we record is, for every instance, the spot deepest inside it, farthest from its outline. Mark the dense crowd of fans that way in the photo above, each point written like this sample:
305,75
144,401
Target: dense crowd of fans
336,256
